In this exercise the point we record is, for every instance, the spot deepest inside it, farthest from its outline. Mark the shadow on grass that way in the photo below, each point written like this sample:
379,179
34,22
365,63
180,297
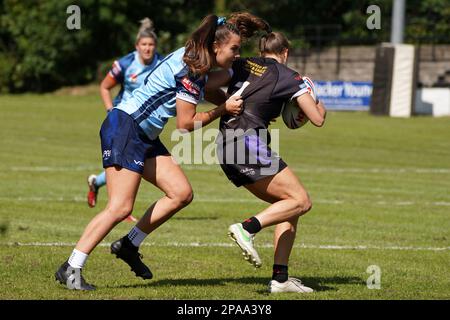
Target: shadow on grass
195,218
316,283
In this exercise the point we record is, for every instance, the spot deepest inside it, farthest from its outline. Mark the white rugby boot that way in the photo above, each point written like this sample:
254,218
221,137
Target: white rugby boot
244,240
290,285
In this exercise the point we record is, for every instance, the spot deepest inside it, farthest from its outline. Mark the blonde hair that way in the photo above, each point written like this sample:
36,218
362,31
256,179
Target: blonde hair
146,30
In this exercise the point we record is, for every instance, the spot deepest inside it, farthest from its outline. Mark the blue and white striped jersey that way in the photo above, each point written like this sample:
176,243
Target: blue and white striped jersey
154,102
130,73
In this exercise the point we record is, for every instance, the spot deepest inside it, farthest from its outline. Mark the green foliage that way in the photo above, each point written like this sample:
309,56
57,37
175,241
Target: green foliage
39,53
425,21
429,21
46,53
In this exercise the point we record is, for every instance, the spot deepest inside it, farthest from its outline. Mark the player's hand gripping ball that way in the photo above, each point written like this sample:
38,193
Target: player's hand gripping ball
292,115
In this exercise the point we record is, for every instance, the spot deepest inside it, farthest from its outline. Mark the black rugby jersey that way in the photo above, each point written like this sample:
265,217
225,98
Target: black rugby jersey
271,85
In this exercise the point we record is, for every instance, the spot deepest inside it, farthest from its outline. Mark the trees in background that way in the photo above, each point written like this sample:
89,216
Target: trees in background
38,52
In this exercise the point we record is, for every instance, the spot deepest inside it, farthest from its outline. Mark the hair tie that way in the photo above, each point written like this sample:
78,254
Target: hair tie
221,21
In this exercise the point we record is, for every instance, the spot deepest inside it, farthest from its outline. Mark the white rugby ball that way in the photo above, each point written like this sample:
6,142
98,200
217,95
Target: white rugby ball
293,116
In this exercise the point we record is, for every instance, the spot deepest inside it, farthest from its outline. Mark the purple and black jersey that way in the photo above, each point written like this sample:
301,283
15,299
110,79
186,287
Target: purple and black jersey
271,85
243,146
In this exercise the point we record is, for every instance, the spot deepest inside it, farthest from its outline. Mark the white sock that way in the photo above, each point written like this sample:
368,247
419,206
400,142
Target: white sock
77,259
136,236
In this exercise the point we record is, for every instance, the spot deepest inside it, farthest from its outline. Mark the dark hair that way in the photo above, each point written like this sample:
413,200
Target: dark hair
146,30
199,47
273,42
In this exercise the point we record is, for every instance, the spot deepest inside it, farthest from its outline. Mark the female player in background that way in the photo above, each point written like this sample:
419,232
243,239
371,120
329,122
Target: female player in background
132,149
130,72
262,172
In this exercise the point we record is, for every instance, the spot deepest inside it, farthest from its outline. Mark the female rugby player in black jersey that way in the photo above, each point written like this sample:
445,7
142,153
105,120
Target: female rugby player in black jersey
247,160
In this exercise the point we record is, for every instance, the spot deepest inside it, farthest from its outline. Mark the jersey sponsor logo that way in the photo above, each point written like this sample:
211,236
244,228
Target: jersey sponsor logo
190,86
254,68
133,77
134,73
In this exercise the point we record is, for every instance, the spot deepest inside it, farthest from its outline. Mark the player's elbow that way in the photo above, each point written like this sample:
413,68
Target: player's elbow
318,122
103,87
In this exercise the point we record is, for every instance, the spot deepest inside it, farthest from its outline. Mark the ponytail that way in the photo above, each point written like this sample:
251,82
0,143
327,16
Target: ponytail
248,24
198,48
146,30
199,55
273,43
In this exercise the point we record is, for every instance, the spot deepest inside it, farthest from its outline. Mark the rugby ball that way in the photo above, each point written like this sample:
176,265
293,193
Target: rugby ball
293,116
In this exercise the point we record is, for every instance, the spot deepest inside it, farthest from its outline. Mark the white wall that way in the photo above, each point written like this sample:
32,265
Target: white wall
434,101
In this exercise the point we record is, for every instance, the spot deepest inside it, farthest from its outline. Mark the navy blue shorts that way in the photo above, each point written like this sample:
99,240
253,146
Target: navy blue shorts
125,144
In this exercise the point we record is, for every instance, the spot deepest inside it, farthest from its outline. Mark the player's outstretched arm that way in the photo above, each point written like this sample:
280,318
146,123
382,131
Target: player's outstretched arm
213,91
217,96
187,116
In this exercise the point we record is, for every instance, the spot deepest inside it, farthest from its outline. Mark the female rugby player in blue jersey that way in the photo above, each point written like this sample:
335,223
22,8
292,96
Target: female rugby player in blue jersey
260,170
132,149
130,72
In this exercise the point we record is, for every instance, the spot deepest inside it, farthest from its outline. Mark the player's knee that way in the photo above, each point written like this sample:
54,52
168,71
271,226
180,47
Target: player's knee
303,204
187,198
120,210
184,197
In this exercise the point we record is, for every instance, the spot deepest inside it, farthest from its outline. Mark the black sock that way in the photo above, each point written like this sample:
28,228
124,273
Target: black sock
127,243
251,225
280,273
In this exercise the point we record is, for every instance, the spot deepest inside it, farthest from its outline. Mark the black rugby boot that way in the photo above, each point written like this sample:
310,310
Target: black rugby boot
125,250
72,278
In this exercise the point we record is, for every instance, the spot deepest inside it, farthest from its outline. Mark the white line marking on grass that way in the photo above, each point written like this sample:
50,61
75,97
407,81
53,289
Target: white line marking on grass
216,168
339,170
226,245
237,200
376,170
441,203
53,169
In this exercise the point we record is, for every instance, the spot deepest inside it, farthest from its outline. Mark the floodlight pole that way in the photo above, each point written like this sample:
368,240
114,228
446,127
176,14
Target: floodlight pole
398,21
220,7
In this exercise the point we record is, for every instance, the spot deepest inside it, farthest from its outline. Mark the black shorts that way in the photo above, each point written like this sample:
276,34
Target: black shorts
248,159
125,144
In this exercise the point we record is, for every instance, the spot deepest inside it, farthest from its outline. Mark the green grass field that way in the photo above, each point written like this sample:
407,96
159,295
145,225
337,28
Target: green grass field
380,189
